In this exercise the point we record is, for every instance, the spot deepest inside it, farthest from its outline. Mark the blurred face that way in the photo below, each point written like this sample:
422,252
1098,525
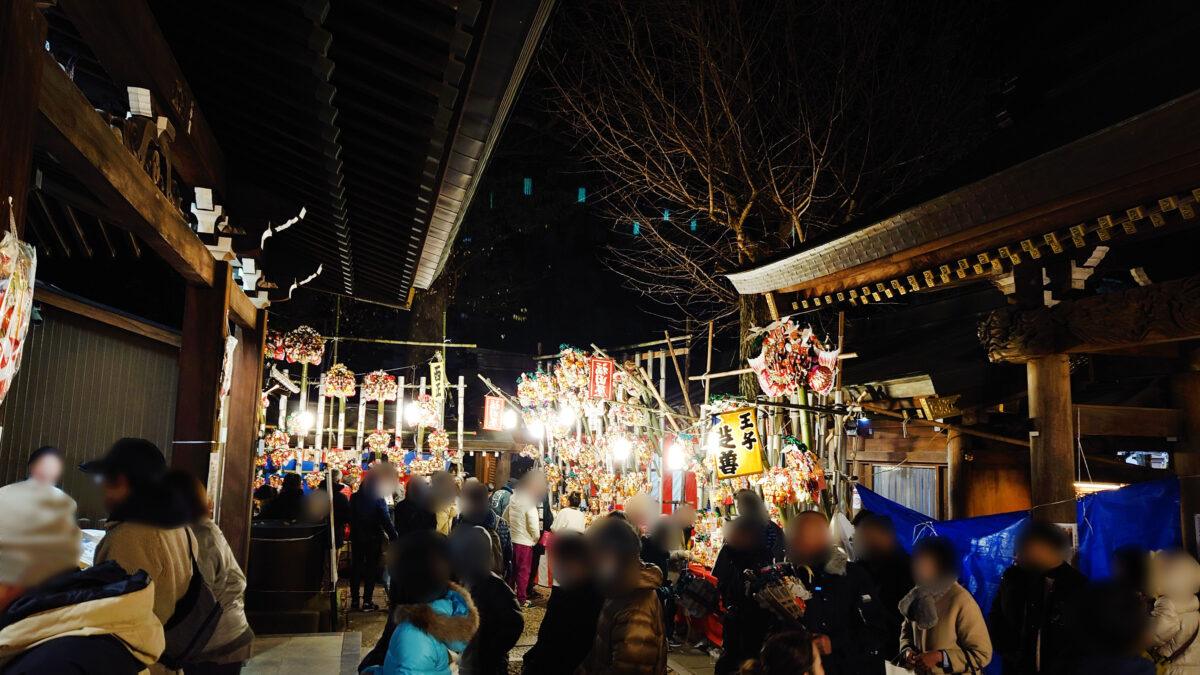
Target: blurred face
685,516
475,502
47,469
1039,556
870,540
609,568
925,569
570,572
810,539
116,490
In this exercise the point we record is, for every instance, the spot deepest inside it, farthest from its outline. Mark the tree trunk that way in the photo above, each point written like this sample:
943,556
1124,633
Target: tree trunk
752,312
429,308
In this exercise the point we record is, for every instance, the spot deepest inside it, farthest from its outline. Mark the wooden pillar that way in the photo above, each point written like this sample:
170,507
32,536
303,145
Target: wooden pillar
1052,442
957,447
201,352
1185,395
22,40
242,438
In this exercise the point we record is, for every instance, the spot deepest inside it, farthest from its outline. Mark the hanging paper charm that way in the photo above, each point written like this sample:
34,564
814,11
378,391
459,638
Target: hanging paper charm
339,382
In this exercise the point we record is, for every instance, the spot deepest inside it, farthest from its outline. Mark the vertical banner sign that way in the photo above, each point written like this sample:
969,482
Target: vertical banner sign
600,377
738,449
493,413
437,381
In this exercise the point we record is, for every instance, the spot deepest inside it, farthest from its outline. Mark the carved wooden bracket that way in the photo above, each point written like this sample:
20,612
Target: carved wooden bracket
1166,312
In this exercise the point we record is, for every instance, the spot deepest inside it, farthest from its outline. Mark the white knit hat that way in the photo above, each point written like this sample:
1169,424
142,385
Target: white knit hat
38,534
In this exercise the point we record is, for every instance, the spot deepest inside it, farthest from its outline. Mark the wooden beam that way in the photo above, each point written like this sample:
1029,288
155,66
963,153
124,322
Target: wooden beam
1146,315
237,482
22,40
96,313
1115,420
81,140
201,353
896,457
129,44
1052,443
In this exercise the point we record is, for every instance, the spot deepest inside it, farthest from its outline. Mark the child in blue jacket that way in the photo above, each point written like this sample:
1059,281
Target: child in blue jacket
433,616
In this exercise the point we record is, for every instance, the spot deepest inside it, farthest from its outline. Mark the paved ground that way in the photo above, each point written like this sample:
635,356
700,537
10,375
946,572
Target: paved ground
332,653
368,626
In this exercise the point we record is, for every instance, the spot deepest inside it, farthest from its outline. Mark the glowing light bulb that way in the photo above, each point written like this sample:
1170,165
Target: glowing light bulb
305,422
675,457
621,449
537,429
566,417
713,443
412,413
510,419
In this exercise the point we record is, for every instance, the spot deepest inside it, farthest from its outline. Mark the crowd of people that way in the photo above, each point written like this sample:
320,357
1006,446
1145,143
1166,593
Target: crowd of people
458,564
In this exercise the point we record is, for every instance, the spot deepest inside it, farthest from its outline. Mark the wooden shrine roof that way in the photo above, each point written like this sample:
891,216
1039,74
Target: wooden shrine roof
1133,164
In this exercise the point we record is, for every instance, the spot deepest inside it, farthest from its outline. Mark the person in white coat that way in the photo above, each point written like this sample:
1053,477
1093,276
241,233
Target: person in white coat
229,647
526,528
1175,580
570,518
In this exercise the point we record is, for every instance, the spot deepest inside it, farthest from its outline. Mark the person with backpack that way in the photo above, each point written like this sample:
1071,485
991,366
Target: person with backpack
229,647
503,495
148,530
476,512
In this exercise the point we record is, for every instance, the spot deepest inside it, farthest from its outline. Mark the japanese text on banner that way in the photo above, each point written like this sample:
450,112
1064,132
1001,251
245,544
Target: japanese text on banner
737,446
600,375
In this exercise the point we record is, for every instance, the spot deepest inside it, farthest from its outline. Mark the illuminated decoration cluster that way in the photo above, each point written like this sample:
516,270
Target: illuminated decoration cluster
277,440
571,378
304,345
790,358
707,538
378,441
438,442
379,386
531,451
422,412
339,382
625,411
313,479
273,347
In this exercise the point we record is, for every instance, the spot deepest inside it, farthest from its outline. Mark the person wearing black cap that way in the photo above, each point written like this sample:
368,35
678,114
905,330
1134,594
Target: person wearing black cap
45,465
147,521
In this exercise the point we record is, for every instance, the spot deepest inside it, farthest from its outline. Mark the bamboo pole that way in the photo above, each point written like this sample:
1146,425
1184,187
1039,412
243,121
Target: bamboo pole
687,399
708,362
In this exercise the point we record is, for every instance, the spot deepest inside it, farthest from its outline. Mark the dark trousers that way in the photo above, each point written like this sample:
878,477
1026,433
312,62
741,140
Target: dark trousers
364,568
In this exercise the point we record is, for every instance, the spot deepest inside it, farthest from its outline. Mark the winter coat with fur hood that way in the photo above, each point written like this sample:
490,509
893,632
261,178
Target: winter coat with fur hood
945,619
426,634
629,634
80,619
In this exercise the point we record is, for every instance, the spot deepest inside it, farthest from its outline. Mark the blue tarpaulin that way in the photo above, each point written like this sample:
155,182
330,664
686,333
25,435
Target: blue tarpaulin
1145,514
985,543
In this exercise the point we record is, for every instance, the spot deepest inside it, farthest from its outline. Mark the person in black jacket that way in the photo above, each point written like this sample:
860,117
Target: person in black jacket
750,503
413,512
500,619
845,614
880,553
340,511
1029,622
746,623
289,504
369,527
569,626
